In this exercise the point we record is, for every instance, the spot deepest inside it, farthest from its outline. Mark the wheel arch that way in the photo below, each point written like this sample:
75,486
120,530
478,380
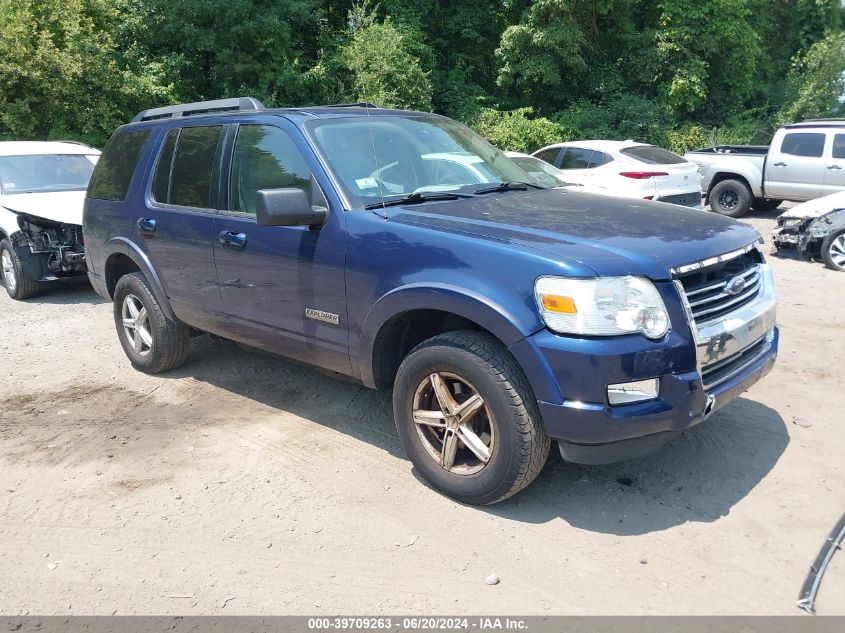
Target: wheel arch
405,317
731,175
125,257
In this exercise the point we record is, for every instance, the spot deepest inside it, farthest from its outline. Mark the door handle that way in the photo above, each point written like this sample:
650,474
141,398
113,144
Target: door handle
148,225
232,239
780,164
836,167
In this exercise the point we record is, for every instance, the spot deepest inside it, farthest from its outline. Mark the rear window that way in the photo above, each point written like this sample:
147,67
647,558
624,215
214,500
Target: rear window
111,177
803,144
652,155
191,174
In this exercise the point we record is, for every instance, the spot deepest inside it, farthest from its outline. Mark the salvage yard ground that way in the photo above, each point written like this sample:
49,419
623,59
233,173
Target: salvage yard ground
245,484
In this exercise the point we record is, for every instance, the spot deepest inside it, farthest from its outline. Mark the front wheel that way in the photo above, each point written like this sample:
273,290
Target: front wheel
18,284
833,250
468,419
152,342
731,198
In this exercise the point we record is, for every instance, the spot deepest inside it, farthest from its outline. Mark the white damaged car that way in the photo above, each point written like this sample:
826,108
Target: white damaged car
42,191
814,230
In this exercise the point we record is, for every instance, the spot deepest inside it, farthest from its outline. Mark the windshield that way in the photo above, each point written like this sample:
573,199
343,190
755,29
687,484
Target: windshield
385,157
44,172
545,174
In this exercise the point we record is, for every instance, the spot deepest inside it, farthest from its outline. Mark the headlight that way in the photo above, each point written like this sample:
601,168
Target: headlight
792,222
604,306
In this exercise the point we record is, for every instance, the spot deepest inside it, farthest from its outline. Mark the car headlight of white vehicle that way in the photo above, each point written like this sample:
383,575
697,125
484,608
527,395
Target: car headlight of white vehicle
603,306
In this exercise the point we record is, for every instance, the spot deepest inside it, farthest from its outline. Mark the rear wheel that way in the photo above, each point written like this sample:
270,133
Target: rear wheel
833,250
152,342
467,418
17,283
731,198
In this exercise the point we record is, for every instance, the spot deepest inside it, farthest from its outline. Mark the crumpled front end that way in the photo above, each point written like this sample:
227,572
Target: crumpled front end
802,235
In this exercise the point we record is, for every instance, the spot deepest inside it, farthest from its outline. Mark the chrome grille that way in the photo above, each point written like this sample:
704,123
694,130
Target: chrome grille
716,373
719,289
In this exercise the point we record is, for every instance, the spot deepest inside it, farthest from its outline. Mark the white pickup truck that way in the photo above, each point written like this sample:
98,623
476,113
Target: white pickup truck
804,161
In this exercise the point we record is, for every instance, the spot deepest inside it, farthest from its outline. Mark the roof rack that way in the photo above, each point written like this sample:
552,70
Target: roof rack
357,104
818,123
200,107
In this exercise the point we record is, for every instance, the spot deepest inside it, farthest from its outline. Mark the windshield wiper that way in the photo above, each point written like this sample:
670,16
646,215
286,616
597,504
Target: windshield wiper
417,198
507,186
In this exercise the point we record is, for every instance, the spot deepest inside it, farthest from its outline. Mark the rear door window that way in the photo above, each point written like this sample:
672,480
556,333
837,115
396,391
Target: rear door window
839,146
576,158
599,158
265,157
549,155
652,155
161,180
113,173
193,164
803,144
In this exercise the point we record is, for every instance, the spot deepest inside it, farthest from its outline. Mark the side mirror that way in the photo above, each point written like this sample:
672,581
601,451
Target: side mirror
287,207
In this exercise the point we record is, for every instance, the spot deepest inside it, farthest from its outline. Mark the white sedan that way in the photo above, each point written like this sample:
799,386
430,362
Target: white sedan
628,169
42,191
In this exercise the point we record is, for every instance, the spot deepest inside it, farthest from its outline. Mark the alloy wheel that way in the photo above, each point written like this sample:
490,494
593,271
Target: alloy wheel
454,423
837,252
8,271
136,325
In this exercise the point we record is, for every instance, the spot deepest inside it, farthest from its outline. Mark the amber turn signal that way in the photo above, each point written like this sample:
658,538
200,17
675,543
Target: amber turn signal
558,303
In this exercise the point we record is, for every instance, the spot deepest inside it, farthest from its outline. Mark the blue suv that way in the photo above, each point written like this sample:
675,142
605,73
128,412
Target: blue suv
402,249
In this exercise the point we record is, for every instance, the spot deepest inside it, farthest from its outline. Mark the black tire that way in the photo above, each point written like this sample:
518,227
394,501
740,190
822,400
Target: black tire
833,250
19,285
510,410
766,204
170,342
731,198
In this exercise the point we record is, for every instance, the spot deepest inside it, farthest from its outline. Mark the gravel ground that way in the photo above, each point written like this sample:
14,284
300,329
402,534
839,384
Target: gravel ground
246,484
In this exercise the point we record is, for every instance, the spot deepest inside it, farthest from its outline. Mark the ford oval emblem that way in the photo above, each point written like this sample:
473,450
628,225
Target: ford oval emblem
735,286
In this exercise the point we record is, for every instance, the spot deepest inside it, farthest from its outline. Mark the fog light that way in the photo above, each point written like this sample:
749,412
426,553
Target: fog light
635,391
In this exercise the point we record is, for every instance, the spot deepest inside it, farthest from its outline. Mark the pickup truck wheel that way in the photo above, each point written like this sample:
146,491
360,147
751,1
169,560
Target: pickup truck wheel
731,198
17,283
152,342
468,419
833,250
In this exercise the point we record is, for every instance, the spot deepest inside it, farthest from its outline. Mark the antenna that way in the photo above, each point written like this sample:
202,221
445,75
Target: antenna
367,105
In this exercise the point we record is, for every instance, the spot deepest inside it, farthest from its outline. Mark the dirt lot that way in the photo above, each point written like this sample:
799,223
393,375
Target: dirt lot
245,484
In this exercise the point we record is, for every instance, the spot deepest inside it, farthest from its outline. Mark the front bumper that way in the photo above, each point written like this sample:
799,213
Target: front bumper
701,369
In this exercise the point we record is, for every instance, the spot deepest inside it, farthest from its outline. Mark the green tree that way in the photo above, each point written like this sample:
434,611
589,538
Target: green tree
61,74
708,53
384,69
816,81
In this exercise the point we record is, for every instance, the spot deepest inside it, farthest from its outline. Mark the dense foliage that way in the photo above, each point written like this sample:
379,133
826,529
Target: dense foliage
522,72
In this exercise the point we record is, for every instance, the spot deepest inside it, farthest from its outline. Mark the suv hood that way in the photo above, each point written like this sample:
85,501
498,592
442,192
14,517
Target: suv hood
612,236
58,206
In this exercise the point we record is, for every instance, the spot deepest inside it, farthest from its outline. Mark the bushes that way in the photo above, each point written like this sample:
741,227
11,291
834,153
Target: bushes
515,130
625,117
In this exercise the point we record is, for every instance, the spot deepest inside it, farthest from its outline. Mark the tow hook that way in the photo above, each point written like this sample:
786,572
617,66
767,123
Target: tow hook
708,406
